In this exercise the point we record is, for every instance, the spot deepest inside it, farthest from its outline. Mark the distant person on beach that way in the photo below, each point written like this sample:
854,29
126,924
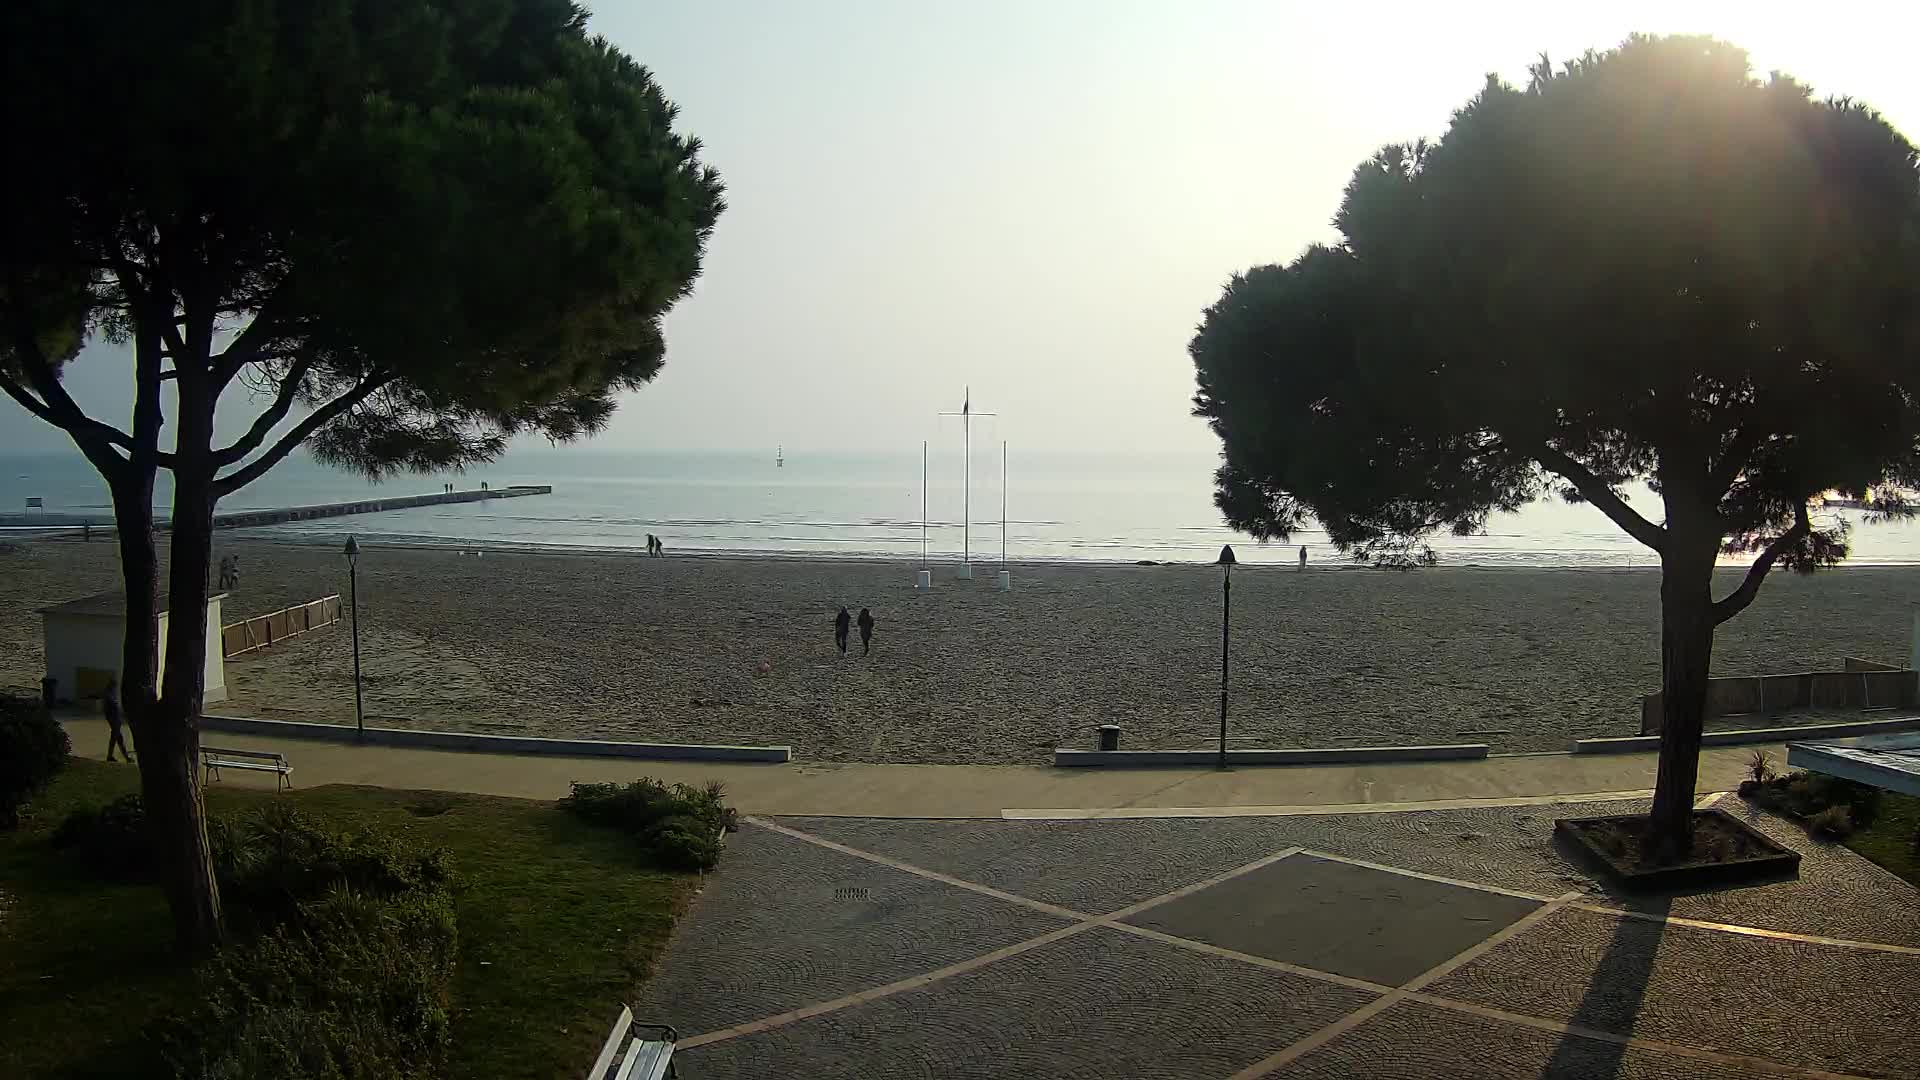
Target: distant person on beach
866,632
110,706
841,623
649,545
1303,556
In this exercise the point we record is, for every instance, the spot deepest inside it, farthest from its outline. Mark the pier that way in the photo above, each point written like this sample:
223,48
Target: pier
248,519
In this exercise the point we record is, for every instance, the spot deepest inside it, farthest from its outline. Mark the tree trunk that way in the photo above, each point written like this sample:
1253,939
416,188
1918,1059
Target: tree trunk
176,812
1686,661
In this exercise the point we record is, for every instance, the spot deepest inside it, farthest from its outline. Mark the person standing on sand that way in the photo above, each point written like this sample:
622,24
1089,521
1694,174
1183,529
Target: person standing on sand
866,631
1303,556
110,706
841,622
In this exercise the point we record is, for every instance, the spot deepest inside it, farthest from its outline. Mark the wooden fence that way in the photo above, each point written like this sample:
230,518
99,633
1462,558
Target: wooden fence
263,630
1864,684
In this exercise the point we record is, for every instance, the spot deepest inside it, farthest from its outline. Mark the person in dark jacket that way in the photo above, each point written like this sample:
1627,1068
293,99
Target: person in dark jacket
866,631
110,705
841,623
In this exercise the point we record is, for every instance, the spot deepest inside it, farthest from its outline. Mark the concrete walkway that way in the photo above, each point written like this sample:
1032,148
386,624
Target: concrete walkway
977,791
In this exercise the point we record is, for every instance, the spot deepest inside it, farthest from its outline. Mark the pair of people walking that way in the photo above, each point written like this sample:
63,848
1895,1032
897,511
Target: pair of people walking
655,548
841,624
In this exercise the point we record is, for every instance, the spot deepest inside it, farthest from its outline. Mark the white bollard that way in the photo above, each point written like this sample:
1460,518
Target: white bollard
966,572
1913,655
1006,580
923,581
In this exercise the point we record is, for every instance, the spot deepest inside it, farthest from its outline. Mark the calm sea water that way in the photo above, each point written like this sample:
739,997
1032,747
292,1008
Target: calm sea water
1109,508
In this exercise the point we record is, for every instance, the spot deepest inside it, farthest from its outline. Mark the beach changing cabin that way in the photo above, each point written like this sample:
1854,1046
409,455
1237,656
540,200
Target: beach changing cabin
84,640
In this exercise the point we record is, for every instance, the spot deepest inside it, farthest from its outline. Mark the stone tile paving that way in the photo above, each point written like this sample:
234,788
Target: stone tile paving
1817,1006
1332,916
786,923
1415,1041
769,934
1102,865
1098,1005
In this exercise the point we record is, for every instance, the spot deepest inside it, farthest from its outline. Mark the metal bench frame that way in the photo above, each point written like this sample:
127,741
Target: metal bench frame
215,758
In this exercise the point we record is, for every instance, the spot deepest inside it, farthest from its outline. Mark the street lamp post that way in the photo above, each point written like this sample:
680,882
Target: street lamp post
353,597
1226,618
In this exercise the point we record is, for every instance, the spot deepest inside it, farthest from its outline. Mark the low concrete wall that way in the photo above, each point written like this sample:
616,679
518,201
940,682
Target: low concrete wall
1643,743
1200,759
495,744
1863,685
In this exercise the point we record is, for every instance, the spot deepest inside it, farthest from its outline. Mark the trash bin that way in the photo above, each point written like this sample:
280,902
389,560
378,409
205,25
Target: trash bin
1109,736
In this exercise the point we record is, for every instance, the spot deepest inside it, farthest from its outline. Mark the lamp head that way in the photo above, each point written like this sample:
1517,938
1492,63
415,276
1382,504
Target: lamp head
353,548
1226,555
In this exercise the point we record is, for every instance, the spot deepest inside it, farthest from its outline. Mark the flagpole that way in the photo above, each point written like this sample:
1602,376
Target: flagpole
1003,504
923,504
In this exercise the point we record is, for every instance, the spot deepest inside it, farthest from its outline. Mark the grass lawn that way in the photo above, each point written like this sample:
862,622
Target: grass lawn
1890,842
558,921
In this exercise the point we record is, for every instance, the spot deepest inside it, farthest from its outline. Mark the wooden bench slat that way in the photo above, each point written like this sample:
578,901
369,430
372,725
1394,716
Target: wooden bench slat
647,1061
614,1040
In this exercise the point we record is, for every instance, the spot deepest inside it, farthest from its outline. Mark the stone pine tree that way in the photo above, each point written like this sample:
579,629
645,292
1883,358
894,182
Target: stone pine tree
400,232
1643,266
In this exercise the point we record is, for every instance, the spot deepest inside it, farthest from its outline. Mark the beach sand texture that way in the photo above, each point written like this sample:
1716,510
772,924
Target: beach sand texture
625,647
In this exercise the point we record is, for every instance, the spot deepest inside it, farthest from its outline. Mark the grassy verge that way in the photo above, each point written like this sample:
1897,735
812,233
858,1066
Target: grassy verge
1890,840
558,924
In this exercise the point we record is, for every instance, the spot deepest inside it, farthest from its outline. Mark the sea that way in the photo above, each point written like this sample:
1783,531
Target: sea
794,502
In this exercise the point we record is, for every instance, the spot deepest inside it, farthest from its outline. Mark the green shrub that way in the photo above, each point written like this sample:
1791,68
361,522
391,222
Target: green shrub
354,986
677,825
1806,795
1760,767
110,840
272,861
33,748
1835,821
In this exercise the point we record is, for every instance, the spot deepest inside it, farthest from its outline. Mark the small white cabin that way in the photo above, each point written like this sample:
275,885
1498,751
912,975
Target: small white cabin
85,638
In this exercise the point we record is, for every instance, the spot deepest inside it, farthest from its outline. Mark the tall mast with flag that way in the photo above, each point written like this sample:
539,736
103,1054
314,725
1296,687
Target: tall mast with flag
966,415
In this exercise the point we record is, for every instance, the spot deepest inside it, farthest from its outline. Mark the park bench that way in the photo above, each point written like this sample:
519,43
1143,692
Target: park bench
635,1051
215,758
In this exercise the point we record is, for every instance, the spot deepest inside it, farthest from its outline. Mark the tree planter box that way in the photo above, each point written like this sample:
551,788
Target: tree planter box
1746,852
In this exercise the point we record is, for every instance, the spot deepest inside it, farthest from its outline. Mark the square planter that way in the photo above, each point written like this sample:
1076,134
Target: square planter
1745,853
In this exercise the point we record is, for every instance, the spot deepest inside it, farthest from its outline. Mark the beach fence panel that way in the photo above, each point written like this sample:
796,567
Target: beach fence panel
263,630
1863,684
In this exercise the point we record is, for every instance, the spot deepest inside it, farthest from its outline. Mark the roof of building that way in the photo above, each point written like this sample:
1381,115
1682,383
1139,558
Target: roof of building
107,604
1883,761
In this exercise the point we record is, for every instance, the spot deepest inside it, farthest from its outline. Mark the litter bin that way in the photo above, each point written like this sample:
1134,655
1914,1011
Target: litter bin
1109,736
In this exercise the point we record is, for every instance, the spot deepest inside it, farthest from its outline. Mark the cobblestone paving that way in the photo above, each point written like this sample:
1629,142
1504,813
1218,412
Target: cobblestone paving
784,923
1413,1041
1099,1005
1101,865
1812,1005
787,924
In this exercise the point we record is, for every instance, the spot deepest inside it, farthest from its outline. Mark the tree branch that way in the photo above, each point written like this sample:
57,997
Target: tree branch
313,422
1600,494
264,424
1741,447
95,439
245,348
1736,602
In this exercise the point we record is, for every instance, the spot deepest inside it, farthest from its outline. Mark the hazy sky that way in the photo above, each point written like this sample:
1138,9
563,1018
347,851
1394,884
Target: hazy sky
1039,198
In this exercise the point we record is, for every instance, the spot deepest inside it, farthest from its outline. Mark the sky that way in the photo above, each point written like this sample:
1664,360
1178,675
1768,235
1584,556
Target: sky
1037,200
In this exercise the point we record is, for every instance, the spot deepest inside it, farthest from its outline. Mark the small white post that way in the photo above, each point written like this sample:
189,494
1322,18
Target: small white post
1913,655
1006,580
923,581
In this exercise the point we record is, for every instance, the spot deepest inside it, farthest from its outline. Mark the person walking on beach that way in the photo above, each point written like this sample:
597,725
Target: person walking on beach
110,705
841,622
649,545
1303,556
866,631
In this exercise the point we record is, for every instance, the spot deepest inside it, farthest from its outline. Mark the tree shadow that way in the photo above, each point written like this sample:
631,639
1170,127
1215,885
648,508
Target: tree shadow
1614,995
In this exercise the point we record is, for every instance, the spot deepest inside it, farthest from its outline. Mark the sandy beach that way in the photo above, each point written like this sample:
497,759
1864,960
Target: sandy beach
625,647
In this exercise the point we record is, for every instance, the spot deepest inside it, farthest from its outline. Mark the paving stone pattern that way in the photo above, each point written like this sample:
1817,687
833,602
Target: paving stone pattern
1817,1006
1332,916
1102,865
1095,1006
786,923
768,933
1415,1041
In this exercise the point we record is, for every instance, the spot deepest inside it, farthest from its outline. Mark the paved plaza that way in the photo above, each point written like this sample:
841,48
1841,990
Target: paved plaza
1441,943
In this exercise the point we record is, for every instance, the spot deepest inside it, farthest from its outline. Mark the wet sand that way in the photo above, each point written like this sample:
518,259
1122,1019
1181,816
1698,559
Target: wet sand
626,647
